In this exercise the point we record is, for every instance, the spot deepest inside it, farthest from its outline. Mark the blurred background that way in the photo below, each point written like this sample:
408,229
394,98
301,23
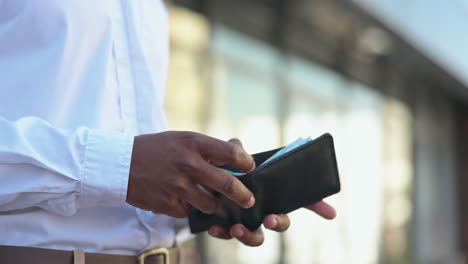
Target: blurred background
388,79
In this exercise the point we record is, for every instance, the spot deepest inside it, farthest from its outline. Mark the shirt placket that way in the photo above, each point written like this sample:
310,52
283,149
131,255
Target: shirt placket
123,69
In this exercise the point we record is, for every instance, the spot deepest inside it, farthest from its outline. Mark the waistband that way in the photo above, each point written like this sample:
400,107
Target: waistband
30,255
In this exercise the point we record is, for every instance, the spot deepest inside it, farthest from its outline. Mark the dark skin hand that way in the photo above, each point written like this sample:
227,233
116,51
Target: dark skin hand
275,222
167,169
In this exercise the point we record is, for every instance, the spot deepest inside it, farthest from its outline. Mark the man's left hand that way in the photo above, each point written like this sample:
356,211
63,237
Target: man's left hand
275,222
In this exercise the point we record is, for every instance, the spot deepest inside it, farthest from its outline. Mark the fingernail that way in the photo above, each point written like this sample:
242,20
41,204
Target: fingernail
274,222
254,165
251,202
238,232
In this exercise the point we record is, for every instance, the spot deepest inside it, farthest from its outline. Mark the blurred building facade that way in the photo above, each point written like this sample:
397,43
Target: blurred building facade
270,71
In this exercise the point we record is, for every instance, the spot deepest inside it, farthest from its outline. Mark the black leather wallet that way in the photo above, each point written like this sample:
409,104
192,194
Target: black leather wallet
298,178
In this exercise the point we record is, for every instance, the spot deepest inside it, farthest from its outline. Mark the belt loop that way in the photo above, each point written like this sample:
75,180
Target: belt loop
78,257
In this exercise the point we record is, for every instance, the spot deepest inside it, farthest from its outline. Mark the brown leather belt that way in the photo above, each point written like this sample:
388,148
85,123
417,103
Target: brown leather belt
29,255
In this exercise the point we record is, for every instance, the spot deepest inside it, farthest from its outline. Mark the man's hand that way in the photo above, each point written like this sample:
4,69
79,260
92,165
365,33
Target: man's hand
167,169
279,222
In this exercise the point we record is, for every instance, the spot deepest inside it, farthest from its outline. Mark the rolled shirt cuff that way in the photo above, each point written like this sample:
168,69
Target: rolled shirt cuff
106,168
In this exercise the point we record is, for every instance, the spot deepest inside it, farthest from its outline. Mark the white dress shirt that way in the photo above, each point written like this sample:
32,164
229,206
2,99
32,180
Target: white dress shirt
78,79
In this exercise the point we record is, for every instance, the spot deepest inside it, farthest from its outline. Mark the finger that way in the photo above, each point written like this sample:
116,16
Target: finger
226,184
201,199
247,237
219,232
233,141
277,222
216,163
323,209
226,153
237,142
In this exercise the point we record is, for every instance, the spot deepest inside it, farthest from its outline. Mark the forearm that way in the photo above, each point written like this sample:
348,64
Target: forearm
61,170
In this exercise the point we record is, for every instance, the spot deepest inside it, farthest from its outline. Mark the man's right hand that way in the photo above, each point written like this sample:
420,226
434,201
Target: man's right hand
167,169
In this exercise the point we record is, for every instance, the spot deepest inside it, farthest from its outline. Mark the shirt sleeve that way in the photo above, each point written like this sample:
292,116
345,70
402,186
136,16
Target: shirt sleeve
61,170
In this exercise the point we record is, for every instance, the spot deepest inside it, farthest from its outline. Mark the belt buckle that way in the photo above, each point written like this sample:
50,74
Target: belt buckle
154,252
